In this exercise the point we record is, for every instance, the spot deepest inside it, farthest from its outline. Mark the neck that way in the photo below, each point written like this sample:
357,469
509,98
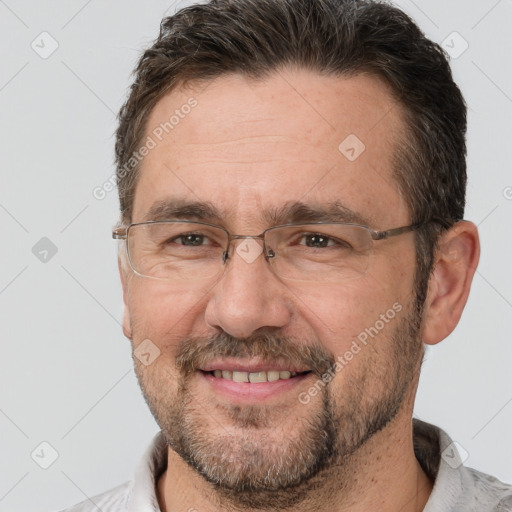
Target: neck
382,475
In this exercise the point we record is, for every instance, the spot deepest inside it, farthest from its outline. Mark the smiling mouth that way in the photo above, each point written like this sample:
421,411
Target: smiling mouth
255,377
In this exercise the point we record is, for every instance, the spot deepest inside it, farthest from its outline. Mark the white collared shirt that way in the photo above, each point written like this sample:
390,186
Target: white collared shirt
457,488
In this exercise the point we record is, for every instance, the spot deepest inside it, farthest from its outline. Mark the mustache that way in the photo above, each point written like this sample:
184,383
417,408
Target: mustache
195,353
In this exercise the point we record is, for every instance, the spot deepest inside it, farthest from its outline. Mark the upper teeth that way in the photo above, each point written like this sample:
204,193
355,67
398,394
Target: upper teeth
269,376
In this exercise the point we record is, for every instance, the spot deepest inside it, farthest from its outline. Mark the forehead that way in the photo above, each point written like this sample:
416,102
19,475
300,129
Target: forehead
249,147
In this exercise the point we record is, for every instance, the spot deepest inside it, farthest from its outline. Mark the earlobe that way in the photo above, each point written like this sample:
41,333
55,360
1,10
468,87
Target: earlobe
454,267
127,329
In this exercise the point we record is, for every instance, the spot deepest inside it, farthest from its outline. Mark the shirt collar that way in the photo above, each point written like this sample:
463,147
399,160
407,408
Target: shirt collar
434,449
142,495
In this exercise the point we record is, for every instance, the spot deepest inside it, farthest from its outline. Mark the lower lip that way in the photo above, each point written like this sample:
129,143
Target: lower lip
252,391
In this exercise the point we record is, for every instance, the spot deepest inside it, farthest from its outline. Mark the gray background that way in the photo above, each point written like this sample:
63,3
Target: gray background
66,371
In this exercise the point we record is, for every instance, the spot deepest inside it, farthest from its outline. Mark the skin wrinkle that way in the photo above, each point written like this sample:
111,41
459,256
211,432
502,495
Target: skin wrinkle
265,139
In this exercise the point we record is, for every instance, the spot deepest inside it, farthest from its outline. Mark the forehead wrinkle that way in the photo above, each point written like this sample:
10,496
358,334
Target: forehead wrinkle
263,138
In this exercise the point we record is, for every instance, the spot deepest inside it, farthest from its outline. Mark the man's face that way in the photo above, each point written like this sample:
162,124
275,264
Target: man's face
249,149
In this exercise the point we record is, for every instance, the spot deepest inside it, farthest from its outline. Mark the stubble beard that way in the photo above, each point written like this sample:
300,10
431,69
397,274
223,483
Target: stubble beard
252,464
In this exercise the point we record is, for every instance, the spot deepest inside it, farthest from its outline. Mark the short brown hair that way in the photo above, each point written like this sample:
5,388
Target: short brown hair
336,37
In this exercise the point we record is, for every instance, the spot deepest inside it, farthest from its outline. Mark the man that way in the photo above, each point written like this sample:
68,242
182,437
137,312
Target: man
292,180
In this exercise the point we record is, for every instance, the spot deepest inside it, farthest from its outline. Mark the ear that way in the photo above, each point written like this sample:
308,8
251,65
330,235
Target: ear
127,328
454,267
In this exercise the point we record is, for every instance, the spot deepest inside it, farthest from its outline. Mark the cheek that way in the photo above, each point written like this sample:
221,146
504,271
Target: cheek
164,312
339,314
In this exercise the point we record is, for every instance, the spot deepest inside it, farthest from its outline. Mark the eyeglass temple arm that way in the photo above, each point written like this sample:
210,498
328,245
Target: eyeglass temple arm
381,235
444,223
119,234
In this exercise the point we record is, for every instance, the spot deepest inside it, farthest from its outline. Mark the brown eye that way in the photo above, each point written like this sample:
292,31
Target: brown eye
320,240
191,239
317,240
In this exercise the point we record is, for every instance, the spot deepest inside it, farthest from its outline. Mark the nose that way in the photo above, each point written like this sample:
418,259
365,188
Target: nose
249,296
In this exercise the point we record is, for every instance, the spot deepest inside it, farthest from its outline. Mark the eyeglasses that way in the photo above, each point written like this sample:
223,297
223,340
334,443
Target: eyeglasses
191,251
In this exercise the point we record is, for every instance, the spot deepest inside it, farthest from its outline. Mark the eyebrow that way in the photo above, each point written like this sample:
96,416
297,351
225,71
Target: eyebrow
292,212
170,209
297,211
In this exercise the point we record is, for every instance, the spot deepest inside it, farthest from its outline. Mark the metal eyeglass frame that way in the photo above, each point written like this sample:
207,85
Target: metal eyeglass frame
121,233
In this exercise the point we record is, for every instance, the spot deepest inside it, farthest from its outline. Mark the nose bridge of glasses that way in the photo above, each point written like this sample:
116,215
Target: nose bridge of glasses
239,237
249,249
